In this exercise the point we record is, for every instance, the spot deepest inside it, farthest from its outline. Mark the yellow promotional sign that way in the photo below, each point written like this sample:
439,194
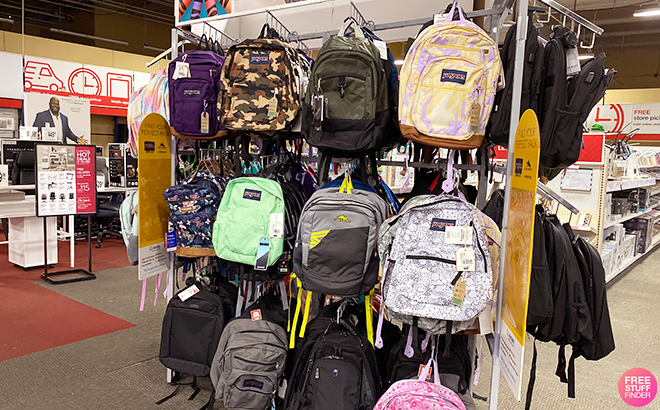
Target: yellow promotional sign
518,259
154,171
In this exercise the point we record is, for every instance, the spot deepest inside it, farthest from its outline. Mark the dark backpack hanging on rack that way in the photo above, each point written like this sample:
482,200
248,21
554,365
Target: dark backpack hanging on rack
500,120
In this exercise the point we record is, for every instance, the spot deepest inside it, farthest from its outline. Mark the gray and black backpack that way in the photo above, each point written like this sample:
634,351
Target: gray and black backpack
336,247
249,363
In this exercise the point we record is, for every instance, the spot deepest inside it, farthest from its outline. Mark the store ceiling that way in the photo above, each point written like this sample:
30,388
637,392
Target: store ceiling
88,17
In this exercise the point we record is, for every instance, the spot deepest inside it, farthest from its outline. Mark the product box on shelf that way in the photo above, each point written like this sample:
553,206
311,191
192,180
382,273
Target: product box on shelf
628,250
608,207
606,257
612,247
644,199
643,226
620,207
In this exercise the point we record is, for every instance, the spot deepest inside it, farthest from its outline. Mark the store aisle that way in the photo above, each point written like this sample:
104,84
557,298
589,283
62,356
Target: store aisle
120,370
635,313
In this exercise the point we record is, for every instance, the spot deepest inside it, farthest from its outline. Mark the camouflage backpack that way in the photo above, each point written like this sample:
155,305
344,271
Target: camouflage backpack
259,91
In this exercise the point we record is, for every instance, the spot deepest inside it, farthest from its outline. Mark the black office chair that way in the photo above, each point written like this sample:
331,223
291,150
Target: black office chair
107,214
22,174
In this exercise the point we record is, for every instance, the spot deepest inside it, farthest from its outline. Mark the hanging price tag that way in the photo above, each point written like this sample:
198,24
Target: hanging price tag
459,293
458,235
181,70
205,123
272,107
475,118
439,18
465,260
382,48
276,226
188,293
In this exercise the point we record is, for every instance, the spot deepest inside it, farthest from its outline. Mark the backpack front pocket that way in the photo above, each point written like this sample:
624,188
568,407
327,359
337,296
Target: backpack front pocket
192,97
253,390
444,101
347,96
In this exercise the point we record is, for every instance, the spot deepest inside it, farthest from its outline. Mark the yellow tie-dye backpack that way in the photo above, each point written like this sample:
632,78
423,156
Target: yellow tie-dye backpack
448,84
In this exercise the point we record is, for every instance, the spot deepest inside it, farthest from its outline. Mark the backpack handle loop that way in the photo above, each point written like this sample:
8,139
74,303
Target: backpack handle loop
448,184
450,16
350,21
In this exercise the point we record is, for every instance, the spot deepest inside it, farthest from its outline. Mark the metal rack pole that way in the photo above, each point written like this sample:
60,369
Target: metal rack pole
521,37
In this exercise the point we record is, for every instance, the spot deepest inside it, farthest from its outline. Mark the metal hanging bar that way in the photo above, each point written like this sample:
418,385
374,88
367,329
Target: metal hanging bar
286,34
566,12
546,192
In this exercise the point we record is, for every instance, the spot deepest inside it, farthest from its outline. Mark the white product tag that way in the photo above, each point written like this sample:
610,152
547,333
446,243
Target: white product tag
572,61
439,18
188,293
458,235
465,260
181,70
204,120
382,47
276,226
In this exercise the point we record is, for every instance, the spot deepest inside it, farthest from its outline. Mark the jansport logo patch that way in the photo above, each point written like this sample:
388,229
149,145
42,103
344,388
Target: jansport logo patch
453,76
252,194
342,218
256,384
438,224
192,92
258,58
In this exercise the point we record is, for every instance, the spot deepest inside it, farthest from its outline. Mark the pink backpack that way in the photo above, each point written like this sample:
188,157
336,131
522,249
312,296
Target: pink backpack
420,394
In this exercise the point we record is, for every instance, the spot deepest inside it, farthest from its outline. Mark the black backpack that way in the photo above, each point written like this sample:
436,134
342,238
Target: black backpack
335,369
593,276
570,323
494,208
191,332
554,93
541,305
500,119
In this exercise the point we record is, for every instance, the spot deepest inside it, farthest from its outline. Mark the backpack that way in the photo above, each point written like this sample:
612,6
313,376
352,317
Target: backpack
348,90
421,271
191,332
130,226
335,250
420,394
540,305
500,119
251,356
152,98
494,208
564,142
192,211
251,208
335,369
445,100
195,96
255,96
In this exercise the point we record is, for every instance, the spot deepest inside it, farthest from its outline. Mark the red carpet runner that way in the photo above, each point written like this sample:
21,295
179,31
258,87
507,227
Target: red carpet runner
33,318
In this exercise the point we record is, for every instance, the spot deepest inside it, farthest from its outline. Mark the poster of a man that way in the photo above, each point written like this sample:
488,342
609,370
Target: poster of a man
52,117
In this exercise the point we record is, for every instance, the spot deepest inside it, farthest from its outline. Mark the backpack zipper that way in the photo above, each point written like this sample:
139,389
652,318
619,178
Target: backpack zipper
432,258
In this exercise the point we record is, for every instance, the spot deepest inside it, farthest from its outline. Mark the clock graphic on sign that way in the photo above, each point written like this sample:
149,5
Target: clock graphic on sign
84,81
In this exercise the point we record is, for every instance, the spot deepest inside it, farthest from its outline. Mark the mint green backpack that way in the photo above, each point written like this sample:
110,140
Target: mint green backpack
251,208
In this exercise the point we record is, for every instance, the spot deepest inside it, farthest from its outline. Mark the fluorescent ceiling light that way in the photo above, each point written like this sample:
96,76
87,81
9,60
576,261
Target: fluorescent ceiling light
586,56
647,13
398,62
6,20
71,33
160,50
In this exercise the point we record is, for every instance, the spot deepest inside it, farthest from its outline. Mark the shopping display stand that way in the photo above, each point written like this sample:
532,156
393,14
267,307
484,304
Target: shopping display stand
497,14
65,185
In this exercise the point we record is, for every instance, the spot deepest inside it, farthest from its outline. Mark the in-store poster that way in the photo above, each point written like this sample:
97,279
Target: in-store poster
198,9
154,177
518,258
42,110
65,179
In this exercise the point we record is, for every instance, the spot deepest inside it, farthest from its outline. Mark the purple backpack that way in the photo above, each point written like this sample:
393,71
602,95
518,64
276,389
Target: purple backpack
420,394
195,96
